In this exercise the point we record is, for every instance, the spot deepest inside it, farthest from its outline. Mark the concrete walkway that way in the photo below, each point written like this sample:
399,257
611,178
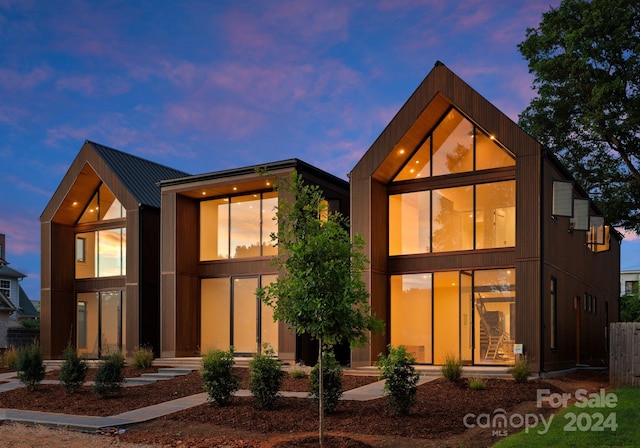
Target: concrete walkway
90,423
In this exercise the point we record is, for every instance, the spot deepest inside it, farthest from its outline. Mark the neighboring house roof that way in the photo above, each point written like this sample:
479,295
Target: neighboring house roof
5,303
7,272
25,307
139,176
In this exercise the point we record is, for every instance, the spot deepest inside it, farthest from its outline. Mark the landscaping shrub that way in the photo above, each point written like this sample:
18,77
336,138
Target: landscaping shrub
476,383
10,358
265,378
218,378
331,382
73,370
452,368
297,372
109,376
401,377
30,366
520,370
143,358
30,323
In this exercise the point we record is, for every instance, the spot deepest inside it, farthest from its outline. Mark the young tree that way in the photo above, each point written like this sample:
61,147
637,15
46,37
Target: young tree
585,56
320,290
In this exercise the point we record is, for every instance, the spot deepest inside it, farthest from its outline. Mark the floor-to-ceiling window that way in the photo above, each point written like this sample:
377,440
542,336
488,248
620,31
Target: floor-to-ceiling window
99,317
495,315
232,315
469,315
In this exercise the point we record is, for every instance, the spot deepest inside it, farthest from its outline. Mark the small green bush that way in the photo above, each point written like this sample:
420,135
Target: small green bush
452,368
520,370
30,366
143,357
331,382
217,375
73,370
476,383
265,378
401,383
109,376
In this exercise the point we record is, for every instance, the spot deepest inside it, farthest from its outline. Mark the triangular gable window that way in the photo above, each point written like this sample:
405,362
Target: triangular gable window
453,147
102,206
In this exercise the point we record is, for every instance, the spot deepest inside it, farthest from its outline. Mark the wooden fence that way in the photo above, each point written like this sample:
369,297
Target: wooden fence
624,354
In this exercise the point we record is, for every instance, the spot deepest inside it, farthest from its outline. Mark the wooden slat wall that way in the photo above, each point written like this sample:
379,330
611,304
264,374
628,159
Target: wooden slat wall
579,271
168,276
187,279
149,279
57,298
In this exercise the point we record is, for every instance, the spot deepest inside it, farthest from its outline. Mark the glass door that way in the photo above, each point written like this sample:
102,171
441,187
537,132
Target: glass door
245,315
466,318
99,317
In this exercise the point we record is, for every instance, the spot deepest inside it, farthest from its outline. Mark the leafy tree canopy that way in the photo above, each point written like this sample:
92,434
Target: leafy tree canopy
585,56
320,291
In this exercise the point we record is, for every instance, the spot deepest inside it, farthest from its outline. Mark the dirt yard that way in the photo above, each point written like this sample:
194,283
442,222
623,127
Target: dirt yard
435,421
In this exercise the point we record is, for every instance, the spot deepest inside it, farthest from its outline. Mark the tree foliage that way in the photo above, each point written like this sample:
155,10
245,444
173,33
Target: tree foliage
630,308
320,291
585,56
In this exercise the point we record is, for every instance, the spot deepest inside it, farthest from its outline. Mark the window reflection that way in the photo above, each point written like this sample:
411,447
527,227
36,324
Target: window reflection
238,227
453,219
453,145
105,253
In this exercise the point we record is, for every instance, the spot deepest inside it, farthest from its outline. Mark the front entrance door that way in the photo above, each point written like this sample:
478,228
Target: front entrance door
99,323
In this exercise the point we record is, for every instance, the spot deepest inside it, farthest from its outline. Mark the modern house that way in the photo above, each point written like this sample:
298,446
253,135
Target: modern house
481,246
101,255
217,249
14,302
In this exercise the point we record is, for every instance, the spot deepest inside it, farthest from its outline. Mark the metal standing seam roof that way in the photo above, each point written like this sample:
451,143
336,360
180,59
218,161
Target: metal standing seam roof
138,175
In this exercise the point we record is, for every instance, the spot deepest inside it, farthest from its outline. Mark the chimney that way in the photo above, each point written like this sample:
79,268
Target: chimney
2,246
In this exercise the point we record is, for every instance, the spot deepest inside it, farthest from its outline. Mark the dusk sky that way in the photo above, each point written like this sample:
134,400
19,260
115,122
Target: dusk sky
204,86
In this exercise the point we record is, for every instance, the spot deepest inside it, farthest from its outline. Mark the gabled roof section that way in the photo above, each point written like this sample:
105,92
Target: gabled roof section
138,175
7,272
133,181
25,307
438,92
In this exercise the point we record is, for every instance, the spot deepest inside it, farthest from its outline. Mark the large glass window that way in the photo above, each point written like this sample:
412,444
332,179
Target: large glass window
454,146
102,206
446,220
496,215
232,315
238,227
409,223
411,314
99,323
495,316
452,219
101,254
466,314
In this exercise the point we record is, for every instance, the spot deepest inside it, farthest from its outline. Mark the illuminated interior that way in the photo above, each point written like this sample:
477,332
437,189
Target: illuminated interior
232,315
238,227
435,315
99,323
